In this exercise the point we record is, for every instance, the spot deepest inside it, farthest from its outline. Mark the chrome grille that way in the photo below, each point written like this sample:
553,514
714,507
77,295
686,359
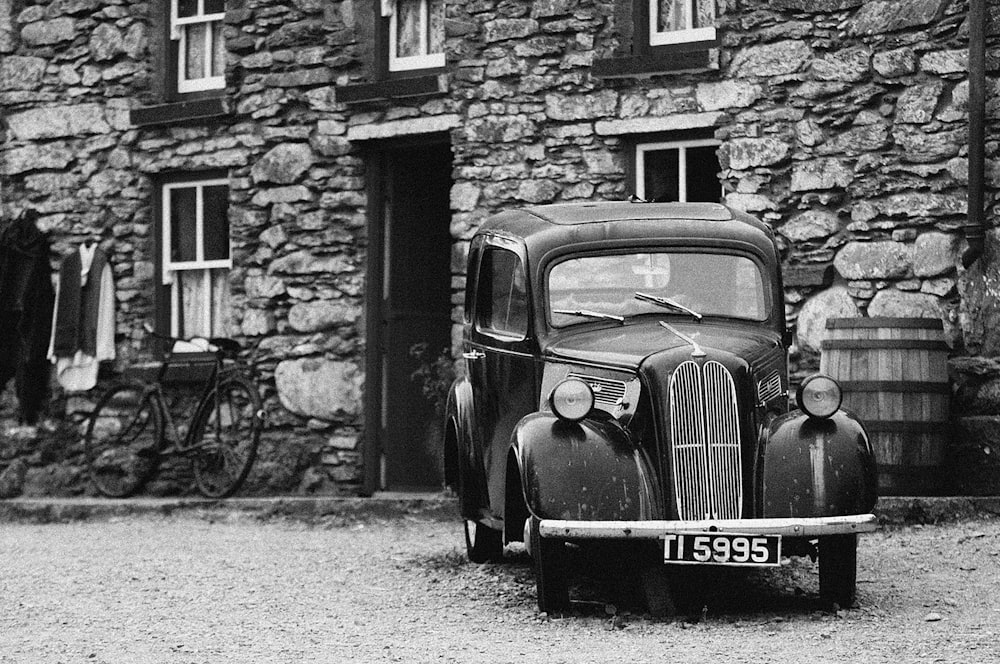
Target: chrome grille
607,391
769,387
704,428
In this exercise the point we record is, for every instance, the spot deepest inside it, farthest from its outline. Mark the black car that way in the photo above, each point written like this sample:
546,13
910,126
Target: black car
627,380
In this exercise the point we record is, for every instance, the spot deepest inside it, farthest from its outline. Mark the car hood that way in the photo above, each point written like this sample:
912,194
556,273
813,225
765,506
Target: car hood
627,346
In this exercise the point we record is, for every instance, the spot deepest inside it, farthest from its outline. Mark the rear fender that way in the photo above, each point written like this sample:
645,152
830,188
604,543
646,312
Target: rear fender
589,470
817,467
463,468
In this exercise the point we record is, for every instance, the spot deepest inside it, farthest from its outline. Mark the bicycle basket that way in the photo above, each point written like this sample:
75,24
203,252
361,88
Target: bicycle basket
194,367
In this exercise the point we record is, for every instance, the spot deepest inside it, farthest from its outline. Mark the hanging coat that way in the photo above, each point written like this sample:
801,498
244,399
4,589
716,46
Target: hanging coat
26,300
83,329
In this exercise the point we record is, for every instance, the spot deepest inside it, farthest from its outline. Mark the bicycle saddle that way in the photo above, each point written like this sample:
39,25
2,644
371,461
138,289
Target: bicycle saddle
228,347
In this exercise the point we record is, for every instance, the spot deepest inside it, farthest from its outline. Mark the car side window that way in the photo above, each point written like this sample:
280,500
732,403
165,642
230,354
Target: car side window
475,248
501,297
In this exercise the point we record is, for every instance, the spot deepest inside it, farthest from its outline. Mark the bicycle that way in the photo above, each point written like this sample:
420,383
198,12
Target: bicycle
128,429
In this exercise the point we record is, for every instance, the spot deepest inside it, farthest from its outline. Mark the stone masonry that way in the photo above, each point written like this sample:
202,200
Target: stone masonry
843,124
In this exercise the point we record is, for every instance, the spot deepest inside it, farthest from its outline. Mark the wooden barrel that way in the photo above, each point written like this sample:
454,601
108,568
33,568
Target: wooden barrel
894,373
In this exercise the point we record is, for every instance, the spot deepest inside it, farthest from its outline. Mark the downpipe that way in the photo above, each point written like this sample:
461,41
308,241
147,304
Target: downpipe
974,229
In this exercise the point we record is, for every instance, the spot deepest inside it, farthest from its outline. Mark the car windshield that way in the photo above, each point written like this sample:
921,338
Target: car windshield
711,284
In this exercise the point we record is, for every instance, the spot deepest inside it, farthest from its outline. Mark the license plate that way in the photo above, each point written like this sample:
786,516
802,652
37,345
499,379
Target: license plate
722,549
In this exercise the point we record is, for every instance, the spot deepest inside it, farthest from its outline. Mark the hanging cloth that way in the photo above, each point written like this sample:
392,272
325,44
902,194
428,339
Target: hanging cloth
26,301
83,329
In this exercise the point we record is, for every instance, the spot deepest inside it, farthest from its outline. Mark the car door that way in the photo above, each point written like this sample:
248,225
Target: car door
500,356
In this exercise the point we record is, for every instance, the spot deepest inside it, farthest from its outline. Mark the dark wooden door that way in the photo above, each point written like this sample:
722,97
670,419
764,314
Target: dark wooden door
414,313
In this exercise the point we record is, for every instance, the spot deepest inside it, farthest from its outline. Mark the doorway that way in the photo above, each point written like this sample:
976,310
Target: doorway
409,321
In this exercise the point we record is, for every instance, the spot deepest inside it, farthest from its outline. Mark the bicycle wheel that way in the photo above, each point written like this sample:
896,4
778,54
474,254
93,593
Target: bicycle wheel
123,440
225,436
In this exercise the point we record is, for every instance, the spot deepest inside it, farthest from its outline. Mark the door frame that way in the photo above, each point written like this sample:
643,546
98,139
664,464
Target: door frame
377,157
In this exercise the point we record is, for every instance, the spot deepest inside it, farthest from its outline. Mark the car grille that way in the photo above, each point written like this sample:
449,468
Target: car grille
769,388
607,391
705,436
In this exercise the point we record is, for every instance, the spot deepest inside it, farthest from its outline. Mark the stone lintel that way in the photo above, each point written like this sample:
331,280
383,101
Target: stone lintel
678,122
407,127
393,88
166,114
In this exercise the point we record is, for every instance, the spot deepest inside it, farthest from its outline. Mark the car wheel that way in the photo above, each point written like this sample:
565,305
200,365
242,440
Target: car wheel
551,577
482,543
838,569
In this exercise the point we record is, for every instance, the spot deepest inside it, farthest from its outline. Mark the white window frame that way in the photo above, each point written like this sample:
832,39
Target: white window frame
425,60
691,34
171,266
681,146
177,33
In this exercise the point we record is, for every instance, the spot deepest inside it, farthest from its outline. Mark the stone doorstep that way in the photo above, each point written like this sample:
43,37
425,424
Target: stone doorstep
891,510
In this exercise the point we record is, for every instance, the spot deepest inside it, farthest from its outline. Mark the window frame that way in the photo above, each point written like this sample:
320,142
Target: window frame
169,305
681,145
674,52
178,38
670,37
426,59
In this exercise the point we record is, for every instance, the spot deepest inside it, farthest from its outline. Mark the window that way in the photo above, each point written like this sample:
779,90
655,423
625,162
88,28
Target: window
475,248
195,257
679,21
606,284
681,171
416,34
196,29
663,36
502,299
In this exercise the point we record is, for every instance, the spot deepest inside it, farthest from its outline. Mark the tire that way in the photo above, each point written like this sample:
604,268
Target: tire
482,543
226,435
838,569
657,590
551,577
123,440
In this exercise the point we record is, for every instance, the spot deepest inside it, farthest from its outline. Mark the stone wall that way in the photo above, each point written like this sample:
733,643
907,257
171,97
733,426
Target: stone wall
71,73
842,123
68,73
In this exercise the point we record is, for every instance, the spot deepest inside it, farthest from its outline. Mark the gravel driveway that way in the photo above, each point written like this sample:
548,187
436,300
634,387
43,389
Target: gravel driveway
189,590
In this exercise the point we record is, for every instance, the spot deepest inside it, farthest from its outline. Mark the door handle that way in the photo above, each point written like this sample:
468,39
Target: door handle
474,355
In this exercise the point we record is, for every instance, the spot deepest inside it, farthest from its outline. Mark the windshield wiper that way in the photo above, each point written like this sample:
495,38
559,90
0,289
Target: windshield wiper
589,314
667,303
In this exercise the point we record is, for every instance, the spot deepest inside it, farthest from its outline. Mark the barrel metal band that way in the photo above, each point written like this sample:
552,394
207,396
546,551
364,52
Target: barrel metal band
902,344
919,386
885,323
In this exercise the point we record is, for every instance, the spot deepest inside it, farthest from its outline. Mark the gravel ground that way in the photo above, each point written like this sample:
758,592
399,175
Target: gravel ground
189,590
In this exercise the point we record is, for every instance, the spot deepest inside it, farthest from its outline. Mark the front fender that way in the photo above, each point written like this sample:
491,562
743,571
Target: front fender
817,467
589,471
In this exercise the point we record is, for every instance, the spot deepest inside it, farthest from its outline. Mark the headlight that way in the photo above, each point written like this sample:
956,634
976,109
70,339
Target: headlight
819,396
571,399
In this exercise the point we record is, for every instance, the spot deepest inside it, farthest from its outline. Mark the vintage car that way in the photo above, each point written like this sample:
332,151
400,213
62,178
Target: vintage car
627,379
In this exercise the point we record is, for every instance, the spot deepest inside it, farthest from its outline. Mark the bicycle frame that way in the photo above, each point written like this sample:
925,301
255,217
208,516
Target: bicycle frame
209,388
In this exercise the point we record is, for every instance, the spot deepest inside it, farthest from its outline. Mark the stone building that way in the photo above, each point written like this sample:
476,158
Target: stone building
304,175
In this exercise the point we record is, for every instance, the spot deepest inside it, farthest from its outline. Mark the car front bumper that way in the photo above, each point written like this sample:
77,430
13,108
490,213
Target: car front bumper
806,527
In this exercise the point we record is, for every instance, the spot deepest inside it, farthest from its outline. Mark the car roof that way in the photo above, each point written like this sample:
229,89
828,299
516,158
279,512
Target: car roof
545,228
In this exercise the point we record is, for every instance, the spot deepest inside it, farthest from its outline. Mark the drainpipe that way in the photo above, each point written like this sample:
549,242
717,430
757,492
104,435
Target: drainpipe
974,228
